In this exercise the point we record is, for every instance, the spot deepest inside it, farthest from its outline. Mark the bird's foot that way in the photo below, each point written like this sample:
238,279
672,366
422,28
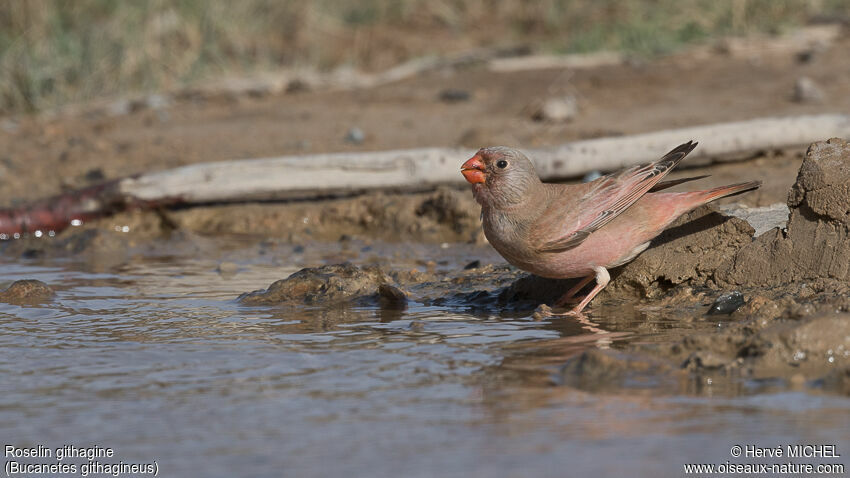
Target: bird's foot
544,310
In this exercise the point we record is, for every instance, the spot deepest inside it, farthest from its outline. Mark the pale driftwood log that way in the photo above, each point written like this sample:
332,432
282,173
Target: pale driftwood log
544,62
341,173
323,174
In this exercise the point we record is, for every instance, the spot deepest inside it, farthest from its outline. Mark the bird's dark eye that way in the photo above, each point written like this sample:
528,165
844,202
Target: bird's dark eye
502,164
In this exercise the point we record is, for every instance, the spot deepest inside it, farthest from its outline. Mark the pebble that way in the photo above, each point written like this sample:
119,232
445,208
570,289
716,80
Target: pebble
807,91
355,136
454,95
591,176
27,290
727,303
557,110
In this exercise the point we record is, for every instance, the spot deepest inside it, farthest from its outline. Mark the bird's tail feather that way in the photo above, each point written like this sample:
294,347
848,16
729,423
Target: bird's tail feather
726,191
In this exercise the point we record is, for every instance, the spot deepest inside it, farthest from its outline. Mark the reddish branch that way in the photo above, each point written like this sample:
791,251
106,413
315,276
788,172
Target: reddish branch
58,212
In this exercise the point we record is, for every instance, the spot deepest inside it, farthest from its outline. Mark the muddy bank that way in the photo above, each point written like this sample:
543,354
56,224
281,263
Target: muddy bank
793,330
816,244
442,215
783,321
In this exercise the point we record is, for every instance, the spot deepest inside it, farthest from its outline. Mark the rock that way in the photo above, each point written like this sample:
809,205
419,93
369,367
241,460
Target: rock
807,91
9,125
94,175
298,85
355,136
26,291
557,110
391,297
762,219
591,176
328,285
727,303
472,265
454,95
157,101
119,107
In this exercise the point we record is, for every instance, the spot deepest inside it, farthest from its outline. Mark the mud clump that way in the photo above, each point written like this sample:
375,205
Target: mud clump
710,249
689,252
331,285
816,245
26,291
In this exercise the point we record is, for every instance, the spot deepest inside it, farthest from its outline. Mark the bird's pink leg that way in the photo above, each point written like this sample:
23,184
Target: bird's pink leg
602,279
565,299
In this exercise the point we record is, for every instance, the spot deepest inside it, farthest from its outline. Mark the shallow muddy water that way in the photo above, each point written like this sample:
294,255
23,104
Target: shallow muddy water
153,357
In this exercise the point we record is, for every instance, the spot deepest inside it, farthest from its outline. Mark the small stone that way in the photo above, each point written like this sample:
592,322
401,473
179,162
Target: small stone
120,107
157,101
557,110
472,265
94,175
9,125
704,359
355,136
762,219
297,85
807,91
28,290
727,303
454,95
591,176
391,297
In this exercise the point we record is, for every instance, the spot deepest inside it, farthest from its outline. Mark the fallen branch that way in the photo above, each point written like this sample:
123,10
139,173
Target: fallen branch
331,174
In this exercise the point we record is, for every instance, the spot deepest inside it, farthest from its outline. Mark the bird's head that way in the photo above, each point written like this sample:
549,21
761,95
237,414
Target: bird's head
500,176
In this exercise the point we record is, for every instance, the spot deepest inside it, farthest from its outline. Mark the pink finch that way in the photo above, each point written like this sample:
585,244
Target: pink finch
564,231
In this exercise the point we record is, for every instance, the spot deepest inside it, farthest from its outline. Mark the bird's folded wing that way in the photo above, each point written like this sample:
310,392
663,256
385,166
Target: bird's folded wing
608,197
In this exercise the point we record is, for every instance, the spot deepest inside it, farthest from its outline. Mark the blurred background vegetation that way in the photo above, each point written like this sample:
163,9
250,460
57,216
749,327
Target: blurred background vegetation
54,52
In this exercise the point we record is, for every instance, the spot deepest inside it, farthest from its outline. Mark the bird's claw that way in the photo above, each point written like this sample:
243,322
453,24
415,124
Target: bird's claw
544,310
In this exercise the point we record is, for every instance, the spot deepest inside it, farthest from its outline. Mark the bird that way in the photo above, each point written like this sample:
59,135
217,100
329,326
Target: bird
564,231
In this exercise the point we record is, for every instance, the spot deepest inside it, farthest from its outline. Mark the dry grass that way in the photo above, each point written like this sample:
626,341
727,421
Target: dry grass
59,51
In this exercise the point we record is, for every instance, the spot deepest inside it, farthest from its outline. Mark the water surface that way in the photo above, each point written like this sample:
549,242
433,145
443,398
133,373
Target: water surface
153,357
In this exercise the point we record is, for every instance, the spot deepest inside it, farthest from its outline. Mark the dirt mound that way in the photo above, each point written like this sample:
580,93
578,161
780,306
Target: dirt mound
716,249
689,252
816,244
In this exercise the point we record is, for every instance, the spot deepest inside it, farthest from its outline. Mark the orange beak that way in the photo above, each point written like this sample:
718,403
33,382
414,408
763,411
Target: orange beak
473,170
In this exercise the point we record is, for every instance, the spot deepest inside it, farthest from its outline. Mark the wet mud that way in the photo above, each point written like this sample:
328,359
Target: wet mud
780,299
